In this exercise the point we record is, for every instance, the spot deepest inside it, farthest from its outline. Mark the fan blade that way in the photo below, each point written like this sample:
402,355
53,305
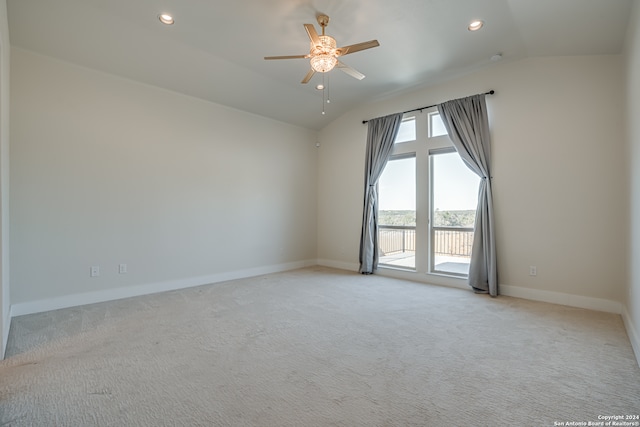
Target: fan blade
353,73
308,76
286,57
313,35
345,50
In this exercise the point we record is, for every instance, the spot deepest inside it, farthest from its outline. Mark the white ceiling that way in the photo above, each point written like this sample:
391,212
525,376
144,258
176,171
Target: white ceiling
215,49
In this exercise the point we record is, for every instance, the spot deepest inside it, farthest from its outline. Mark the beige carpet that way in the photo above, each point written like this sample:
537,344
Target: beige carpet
317,347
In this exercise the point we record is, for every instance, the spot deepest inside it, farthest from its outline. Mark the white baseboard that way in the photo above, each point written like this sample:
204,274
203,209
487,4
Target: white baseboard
578,301
74,300
6,326
339,264
632,332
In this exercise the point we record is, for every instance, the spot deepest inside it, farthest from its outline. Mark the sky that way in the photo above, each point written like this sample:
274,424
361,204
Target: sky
456,187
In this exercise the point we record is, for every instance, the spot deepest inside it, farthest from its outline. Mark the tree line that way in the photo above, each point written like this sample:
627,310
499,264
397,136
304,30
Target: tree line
455,218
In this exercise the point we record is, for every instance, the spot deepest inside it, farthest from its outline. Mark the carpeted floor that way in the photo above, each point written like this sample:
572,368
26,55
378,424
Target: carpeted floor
317,347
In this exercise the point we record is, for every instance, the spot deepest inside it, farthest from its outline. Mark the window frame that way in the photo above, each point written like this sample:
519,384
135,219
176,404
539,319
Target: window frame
421,148
407,118
430,116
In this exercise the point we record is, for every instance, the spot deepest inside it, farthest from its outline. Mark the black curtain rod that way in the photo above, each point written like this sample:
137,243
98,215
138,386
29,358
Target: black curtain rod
491,92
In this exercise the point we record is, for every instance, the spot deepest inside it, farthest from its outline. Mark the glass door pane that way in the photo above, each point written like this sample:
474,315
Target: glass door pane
454,192
397,213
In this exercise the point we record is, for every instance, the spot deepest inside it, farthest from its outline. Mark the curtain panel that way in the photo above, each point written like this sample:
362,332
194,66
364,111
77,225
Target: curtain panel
381,135
467,124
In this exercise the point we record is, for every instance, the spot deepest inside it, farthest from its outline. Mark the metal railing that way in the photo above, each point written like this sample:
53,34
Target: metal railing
396,238
451,241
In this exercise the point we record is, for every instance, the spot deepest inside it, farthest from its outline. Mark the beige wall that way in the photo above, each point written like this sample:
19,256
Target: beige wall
107,171
632,296
5,302
559,175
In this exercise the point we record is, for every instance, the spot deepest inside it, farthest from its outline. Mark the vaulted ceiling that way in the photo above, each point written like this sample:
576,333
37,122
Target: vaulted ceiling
215,49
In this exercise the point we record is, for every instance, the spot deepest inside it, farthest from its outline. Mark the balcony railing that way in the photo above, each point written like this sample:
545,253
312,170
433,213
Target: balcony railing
449,241
396,238
453,241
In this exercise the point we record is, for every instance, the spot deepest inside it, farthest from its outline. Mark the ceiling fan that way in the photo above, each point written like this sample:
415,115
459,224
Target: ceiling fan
323,54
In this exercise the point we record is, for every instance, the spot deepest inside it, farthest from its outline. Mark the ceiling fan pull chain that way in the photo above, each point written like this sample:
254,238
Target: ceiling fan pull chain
324,87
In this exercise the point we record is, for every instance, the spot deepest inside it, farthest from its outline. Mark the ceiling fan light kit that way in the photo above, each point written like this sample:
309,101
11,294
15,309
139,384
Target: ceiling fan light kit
323,54
323,58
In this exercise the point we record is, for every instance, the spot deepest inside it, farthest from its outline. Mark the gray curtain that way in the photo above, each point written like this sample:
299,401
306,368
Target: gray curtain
468,127
380,137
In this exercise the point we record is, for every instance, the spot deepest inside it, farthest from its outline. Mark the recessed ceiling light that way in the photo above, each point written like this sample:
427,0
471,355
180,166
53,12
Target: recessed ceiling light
320,87
475,25
166,19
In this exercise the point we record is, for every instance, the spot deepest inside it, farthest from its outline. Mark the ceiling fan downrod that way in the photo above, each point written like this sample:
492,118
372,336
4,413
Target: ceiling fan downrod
323,20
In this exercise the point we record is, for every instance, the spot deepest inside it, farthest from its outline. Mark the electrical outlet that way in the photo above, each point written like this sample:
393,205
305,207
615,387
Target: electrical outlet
122,268
95,271
533,270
